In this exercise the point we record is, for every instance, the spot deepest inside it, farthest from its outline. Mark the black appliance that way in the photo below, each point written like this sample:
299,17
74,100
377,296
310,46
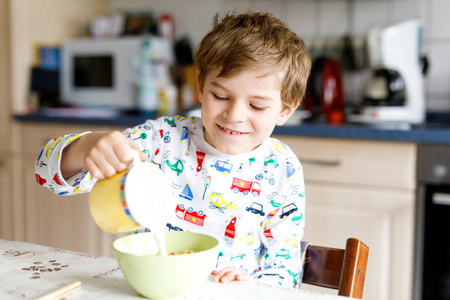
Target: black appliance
386,87
45,84
432,244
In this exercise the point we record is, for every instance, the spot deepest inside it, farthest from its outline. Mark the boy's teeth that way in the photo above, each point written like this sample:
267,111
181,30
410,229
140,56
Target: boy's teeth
230,131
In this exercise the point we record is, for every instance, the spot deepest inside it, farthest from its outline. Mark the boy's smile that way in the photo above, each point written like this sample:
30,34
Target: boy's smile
240,112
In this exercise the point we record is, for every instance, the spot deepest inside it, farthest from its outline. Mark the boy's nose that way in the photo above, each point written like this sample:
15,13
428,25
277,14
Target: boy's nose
236,112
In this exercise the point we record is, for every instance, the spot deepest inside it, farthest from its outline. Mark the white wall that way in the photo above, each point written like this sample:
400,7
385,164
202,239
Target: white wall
326,17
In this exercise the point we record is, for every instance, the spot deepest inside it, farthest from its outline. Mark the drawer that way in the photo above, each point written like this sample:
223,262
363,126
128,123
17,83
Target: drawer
36,135
361,162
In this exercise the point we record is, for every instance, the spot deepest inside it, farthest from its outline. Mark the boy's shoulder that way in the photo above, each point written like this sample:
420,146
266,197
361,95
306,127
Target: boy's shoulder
276,146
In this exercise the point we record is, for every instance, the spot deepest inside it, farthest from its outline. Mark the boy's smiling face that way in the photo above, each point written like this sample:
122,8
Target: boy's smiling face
240,112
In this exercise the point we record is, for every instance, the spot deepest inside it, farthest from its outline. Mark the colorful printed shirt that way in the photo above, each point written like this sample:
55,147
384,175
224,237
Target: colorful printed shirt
253,203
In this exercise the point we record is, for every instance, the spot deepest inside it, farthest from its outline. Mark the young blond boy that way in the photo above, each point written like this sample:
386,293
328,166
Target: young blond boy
245,188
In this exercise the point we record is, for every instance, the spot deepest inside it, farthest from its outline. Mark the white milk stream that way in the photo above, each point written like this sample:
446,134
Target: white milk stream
148,195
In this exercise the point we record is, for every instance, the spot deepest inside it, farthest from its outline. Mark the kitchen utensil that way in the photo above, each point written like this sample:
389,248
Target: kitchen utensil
325,92
132,199
61,292
159,277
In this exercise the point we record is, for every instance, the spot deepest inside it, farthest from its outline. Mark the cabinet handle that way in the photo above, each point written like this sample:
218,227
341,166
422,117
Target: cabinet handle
441,199
320,161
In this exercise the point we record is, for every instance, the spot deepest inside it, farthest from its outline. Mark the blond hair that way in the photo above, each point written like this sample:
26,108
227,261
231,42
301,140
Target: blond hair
256,40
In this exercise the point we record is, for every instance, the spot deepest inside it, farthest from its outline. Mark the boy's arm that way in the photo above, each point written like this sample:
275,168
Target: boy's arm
102,153
280,262
47,169
59,155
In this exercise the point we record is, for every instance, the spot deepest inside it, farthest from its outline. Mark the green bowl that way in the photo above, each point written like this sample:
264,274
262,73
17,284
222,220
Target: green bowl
158,277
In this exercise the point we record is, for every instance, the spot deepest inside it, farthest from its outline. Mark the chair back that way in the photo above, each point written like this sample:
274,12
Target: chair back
340,269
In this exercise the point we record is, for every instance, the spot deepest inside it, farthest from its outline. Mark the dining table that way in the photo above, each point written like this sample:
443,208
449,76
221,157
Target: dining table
29,271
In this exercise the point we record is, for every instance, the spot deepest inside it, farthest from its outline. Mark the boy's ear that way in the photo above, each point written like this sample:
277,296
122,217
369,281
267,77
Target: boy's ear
199,87
286,114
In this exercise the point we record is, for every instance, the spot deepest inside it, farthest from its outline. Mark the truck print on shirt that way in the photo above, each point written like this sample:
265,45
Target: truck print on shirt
245,187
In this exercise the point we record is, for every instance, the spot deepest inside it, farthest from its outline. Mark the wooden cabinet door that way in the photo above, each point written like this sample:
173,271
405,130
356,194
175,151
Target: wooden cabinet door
381,218
61,221
52,220
6,197
5,82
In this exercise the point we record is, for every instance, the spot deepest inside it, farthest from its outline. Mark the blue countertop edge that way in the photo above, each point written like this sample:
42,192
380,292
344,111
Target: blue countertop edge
416,134
362,132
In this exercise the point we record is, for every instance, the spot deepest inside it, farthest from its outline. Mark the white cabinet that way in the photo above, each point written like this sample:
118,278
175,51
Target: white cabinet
365,190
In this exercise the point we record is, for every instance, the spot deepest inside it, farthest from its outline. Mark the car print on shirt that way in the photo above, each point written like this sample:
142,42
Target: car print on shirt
189,215
287,210
286,254
245,187
222,166
170,121
272,159
256,208
173,228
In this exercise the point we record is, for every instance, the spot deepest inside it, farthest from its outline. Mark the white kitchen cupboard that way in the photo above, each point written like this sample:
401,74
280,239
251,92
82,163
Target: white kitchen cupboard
52,220
362,189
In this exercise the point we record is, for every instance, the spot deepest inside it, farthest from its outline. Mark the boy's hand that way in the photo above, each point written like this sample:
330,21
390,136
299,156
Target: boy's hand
229,274
102,153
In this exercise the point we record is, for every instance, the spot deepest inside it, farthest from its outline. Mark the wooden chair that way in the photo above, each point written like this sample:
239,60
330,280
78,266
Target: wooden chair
343,270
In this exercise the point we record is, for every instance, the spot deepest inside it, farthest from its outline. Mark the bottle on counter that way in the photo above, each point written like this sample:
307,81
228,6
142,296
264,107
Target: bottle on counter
167,91
166,26
147,99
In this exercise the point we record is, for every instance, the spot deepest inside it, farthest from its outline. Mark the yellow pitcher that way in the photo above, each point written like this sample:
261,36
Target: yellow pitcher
126,201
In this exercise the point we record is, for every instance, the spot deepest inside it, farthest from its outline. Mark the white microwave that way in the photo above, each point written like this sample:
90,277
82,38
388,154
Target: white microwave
103,72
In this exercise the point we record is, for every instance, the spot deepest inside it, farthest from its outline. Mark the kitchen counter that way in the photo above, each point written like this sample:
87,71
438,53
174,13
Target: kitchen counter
431,133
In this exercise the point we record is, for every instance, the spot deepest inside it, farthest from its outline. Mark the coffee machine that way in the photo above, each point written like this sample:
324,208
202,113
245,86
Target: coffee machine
395,90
